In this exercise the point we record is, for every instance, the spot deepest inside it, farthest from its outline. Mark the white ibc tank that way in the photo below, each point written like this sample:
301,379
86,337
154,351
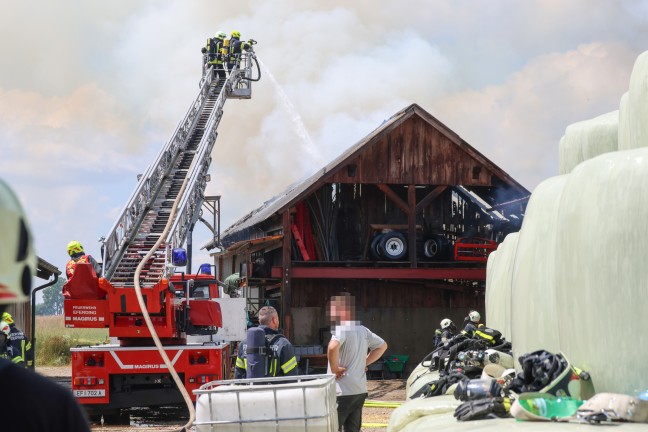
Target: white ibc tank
256,405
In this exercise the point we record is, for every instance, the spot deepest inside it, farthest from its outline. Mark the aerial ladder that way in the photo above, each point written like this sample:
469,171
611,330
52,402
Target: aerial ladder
162,211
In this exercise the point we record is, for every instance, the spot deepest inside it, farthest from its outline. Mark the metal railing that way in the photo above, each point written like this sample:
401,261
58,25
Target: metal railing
320,414
143,198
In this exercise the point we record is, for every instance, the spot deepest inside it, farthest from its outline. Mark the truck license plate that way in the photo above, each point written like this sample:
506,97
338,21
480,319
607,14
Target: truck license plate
90,393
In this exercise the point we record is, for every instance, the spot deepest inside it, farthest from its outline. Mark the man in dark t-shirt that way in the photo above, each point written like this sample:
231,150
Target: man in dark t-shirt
37,403
30,402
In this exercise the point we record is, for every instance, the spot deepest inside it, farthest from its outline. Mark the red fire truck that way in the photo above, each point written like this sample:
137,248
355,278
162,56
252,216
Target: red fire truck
185,309
109,377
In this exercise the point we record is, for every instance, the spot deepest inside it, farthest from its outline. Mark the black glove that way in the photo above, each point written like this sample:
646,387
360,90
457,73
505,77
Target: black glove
203,50
483,409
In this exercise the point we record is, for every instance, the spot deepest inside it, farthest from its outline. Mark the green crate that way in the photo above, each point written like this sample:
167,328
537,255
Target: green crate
396,362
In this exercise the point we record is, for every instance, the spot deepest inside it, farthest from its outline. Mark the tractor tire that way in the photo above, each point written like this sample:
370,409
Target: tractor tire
436,248
393,246
374,253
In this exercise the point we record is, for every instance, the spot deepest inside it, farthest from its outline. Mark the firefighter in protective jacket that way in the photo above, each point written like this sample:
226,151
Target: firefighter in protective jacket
281,360
21,347
77,255
6,350
236,48
471,323
214,56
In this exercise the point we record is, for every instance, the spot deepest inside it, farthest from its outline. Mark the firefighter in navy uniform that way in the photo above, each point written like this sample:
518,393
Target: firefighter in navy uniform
236,48
6,351
213,51
36,403
471,323
445,333
77,255
21,346
281,360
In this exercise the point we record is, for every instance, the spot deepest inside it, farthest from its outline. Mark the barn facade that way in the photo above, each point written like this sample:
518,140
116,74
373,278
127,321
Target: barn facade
403,220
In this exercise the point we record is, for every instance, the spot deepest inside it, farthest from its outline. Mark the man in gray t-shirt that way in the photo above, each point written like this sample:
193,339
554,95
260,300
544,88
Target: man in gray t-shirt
352,348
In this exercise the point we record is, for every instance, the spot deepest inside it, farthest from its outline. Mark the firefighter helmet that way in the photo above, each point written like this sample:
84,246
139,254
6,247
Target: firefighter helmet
221,35
74,247
445,323
5,329
236,34
17,257
6,317
474,316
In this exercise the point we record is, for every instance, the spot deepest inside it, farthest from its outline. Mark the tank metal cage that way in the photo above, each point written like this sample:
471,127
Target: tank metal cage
211,395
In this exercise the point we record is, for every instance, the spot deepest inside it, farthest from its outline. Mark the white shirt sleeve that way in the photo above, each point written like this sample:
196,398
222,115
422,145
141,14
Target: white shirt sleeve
373,340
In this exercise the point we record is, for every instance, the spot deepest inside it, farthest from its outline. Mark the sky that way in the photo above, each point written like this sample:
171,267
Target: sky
90,91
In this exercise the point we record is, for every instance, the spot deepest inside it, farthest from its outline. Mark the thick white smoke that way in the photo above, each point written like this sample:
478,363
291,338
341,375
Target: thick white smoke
90,91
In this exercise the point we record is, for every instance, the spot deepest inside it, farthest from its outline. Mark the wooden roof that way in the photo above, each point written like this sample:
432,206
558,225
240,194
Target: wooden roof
45,270
412,147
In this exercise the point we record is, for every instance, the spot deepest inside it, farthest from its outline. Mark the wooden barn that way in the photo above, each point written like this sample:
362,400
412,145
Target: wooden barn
404,220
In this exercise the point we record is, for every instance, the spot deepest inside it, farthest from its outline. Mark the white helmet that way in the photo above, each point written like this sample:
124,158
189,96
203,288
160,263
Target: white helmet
5,329
17,257
445,323
474,316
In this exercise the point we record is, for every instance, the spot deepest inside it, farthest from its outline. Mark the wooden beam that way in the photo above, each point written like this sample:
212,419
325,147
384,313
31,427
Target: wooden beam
393,197
286,281
411,229
470,273
429,198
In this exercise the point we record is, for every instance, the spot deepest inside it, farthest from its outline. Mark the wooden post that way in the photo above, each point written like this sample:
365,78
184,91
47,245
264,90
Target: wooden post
411,220
286,281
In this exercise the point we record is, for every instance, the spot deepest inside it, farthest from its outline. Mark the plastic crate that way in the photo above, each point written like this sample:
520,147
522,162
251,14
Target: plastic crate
395,362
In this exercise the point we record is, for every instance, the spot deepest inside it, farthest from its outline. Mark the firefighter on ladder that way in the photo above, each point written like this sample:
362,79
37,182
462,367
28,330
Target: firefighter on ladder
77,255
236,47
213,54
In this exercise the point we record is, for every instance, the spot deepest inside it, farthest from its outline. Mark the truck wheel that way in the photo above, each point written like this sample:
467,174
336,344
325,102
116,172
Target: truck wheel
393,246
373,248
435,247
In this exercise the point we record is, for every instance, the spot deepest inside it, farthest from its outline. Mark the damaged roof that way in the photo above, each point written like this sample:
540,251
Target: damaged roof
297,191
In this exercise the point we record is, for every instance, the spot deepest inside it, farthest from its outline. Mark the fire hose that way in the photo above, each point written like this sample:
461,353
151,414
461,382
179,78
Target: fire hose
147,318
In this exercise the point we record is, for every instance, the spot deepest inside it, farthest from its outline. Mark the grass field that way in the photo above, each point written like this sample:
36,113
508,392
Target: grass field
54,340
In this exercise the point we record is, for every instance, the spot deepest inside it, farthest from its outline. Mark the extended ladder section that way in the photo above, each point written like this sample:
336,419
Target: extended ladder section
186,156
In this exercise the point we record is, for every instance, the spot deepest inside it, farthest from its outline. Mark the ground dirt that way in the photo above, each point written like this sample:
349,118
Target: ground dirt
171,418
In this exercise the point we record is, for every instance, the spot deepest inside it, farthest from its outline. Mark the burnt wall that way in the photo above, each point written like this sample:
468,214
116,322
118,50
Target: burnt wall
406,330
404,313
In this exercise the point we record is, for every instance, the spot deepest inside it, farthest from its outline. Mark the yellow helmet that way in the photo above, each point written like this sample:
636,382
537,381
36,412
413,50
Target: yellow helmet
74,247
6,317
17,258
236,34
